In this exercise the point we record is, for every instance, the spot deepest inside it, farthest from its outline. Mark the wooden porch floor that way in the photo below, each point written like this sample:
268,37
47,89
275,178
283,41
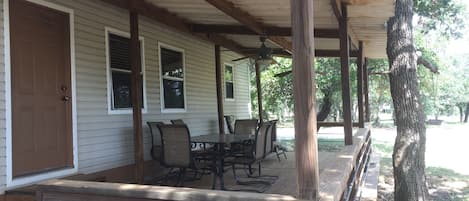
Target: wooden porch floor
284,169
334,170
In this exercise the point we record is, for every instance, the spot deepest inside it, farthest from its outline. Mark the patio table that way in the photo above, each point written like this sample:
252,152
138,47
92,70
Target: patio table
220,141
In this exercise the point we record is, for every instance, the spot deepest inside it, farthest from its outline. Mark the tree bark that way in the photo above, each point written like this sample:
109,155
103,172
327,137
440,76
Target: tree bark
409,147
461,113
325,106
467,113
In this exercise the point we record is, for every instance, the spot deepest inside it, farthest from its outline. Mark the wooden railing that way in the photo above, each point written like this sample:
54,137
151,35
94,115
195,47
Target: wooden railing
334,124
68,190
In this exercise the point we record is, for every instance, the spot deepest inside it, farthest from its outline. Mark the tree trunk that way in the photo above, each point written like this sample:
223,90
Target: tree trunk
467,113
461,113
409,147
325,107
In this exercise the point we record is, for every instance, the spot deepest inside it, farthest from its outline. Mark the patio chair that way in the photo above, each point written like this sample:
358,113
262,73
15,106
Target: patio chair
276,147
255,155
229,119
155,135
178,122
245,126
176,151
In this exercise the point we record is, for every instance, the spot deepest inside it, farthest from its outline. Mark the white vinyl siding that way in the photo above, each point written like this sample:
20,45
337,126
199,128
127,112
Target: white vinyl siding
106,141
240,106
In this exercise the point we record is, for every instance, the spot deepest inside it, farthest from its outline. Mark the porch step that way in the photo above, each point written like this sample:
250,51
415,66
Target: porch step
28,193
18,198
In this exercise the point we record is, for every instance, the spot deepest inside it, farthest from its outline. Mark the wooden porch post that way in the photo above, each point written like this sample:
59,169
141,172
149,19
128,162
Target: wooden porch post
345,76
136,96
218,70
259,92
304,93
366,85
361,118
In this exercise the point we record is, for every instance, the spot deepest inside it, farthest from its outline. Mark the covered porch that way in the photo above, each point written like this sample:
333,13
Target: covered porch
301,30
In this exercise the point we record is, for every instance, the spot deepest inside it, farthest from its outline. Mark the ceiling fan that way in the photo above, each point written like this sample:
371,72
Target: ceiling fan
263,56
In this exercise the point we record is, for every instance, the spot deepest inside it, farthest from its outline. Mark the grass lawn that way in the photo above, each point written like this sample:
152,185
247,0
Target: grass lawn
446,156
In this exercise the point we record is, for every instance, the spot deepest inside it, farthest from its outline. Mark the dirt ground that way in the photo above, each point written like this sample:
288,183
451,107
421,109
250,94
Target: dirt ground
446,159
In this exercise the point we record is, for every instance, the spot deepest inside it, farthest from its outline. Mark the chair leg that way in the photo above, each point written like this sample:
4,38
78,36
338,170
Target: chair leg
234,172
278,155
167,175
183,175
250,170
259,169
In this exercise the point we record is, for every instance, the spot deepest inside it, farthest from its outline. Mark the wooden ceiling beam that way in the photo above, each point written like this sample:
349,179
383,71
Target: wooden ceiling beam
249,21
167,18
268,31
317,53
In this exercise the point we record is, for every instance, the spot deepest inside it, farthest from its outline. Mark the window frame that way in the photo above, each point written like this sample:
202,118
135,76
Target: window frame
110,94
161,77
232,82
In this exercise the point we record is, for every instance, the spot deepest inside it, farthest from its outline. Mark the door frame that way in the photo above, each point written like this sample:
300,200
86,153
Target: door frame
27,180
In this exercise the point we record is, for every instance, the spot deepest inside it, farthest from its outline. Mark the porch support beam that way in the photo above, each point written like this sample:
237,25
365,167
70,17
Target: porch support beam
167,18
249,21
218,77
136,96
345,76
268,30
304,94
360,95
366,85
259,92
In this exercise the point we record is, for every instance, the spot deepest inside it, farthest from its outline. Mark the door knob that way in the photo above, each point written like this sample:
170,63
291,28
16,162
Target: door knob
66,98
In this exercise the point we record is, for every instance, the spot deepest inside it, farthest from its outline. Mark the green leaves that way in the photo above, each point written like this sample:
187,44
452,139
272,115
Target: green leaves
447,17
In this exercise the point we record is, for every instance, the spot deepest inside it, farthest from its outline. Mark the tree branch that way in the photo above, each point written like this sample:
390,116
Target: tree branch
427,64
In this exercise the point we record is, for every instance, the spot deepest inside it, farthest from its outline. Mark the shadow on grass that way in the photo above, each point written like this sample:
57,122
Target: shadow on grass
443,184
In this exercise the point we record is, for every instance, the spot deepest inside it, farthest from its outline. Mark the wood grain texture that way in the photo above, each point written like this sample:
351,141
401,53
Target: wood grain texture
345,76
259,93
365,90
304,95
249,21
361,116
136,95
173,20
218,77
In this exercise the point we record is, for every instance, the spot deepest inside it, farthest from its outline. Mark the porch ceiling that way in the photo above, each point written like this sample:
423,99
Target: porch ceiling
366,20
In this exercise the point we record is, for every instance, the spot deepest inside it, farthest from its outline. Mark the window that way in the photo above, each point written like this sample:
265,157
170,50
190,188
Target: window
229,83
119,72
172,79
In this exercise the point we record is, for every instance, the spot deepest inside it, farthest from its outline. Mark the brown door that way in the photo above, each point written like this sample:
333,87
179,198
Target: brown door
40,83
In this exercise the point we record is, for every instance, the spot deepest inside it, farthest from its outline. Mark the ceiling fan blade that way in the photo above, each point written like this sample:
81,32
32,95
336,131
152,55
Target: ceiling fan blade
283,74
241,58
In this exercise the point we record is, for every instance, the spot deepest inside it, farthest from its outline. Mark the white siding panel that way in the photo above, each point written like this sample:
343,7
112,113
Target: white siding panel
239,107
